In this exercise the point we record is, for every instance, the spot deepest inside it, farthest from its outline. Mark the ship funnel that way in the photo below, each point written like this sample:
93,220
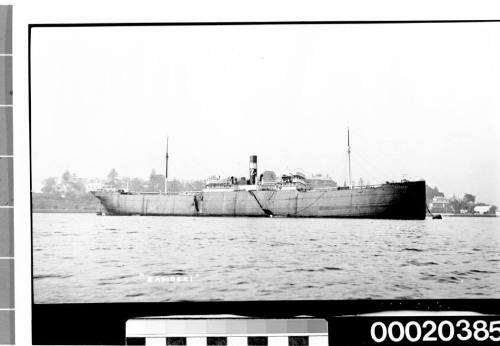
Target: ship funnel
253,169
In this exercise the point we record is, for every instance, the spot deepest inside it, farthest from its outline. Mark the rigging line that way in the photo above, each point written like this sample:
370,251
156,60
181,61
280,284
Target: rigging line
402,164
375,168
369,170
271,195
312,203
365,167
374,154
266,211
363,171
369,163
360,168
427,207
345,168
391,155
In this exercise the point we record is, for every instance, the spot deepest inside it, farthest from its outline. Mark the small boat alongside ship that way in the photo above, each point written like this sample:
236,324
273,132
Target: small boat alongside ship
269,196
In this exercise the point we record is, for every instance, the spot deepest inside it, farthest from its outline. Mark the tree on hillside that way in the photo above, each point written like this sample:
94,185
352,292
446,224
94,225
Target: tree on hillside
175,185
457,204
469,201
76,186
66,177
156,182
137,185
468,198
430,193
49,185
196,185
112,178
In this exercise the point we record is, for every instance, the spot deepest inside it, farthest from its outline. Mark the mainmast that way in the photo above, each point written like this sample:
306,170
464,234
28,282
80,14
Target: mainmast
166,168
349,158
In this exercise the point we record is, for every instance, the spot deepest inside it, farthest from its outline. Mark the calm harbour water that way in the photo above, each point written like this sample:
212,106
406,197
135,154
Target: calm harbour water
90,258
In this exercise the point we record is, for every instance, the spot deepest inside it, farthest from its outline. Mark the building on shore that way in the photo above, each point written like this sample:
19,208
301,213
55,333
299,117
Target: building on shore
439,204
483,209
93,185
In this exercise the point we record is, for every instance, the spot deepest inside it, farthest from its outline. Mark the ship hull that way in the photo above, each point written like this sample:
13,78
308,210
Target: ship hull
388,201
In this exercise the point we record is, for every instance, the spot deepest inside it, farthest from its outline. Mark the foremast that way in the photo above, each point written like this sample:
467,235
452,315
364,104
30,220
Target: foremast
166,169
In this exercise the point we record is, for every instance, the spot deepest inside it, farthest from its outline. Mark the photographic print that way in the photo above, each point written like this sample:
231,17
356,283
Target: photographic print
177,163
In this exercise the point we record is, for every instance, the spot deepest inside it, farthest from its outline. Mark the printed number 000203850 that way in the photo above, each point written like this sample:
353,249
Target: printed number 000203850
445,330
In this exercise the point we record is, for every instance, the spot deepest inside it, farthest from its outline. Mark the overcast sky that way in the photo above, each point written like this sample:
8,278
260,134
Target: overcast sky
421,101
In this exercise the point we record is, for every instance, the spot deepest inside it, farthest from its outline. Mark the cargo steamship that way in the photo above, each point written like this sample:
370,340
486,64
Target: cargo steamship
269,196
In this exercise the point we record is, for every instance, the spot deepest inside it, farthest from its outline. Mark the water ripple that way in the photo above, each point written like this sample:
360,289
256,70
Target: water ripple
110,259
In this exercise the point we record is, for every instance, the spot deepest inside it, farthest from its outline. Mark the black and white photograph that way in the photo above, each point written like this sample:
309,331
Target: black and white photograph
262,162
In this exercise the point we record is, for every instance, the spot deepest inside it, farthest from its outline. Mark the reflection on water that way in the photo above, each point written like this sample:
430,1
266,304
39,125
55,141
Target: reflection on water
89,258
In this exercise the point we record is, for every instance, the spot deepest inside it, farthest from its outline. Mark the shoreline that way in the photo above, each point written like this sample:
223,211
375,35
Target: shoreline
64,211
462,215
467,215
80,211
